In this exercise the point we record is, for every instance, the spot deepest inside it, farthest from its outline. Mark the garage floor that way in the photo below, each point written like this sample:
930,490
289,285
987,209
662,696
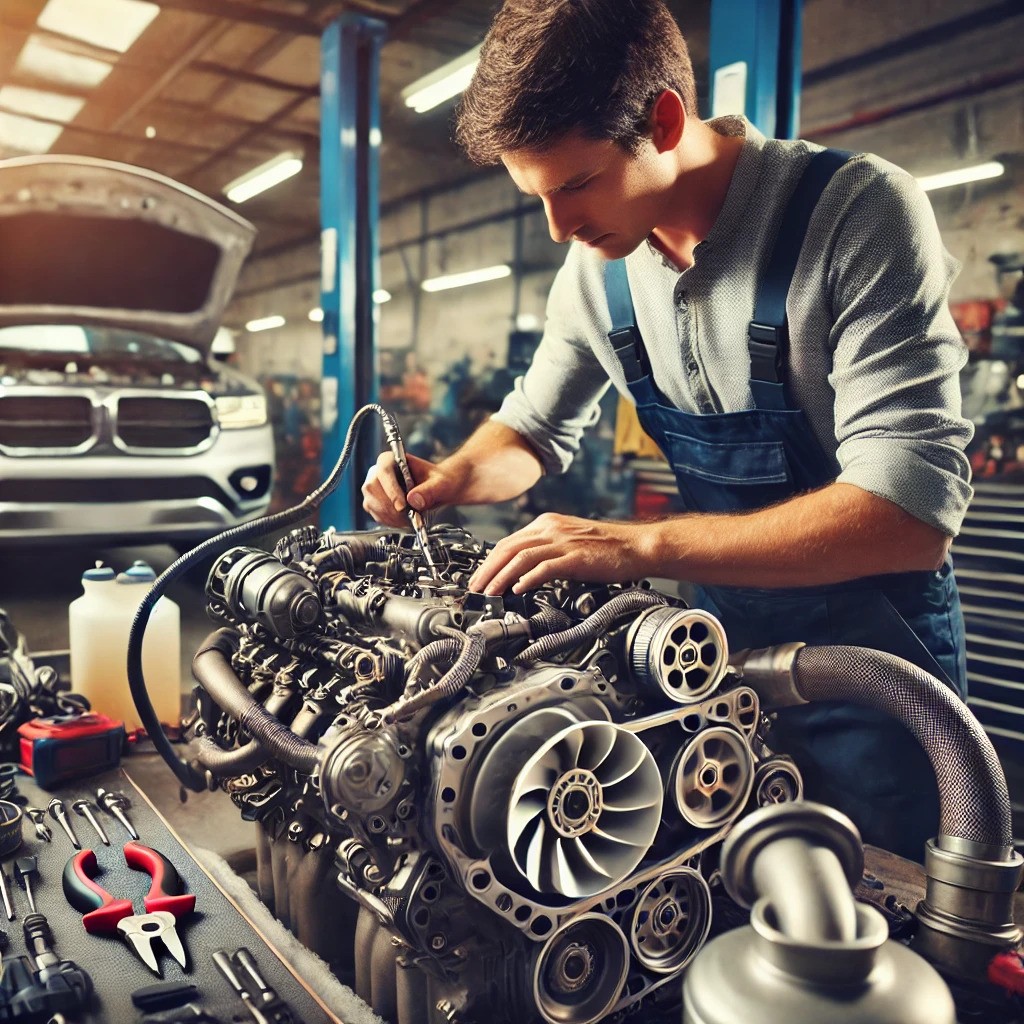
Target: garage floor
36,587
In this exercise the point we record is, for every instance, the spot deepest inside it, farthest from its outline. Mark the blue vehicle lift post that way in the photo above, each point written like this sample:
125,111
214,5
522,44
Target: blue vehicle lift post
349,248
755,62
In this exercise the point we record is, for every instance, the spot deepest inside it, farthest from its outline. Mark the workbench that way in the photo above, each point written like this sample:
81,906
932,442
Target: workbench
116,971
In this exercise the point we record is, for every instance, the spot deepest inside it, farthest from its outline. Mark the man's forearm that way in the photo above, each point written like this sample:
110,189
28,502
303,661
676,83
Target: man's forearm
838,533
496,463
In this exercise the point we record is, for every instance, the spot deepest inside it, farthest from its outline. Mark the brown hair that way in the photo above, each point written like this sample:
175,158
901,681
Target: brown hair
550,67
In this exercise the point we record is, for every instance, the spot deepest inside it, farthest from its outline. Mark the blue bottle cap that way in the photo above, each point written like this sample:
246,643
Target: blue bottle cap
140,572
99,574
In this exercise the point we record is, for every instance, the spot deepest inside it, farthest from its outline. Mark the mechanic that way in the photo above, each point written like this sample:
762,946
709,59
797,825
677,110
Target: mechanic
822,483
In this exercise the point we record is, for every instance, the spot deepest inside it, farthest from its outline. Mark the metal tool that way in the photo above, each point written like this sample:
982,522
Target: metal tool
269,1000
103,914
223,961
84,808
142,930
25,869
8,909
116,804
404,474
57,812
38,818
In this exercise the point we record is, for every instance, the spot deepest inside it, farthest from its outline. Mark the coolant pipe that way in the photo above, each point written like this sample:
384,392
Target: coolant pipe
555,643
212,668
247,759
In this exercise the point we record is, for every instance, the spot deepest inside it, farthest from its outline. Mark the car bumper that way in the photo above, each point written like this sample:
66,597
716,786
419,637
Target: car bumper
151,497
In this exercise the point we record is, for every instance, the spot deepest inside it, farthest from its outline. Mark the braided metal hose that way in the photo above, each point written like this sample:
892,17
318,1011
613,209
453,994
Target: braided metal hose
973,798
555,643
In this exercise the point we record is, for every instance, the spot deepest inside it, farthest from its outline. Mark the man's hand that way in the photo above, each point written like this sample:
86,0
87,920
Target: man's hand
385,499
563,547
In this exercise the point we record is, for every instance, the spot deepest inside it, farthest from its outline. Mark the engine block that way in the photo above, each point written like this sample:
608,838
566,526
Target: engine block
525,796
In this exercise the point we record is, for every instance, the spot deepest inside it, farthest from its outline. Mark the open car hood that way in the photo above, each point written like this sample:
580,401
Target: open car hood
90,241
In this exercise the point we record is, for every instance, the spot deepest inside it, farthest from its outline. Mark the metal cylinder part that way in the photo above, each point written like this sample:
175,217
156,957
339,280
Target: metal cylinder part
580,971
966,916
681,651
810,953
712,777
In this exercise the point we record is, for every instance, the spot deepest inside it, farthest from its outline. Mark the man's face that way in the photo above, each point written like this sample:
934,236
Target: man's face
594,191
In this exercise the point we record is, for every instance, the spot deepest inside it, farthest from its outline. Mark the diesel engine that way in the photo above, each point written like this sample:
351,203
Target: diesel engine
525,795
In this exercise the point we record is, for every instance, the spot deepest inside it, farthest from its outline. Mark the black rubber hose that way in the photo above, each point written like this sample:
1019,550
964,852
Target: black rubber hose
973,798
186,774
242,760
212,668
555,643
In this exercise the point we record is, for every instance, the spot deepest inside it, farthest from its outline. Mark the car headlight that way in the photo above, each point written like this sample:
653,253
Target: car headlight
237,411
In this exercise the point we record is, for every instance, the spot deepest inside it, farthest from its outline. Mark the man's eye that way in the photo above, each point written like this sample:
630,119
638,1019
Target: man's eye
576,188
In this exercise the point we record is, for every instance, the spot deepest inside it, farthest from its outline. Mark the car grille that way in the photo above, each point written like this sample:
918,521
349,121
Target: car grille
53,423
44,421
163,422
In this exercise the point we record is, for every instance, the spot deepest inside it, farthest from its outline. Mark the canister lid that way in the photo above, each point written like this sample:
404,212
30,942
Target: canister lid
98,574
139,572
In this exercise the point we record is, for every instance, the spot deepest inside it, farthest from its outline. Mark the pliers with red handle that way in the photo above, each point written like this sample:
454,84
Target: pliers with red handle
165,902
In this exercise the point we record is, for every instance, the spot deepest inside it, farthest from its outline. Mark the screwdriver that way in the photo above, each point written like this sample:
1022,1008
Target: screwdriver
404,474
25,869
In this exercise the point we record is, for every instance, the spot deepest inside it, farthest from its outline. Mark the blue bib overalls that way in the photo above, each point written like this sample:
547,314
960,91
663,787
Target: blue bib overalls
859,761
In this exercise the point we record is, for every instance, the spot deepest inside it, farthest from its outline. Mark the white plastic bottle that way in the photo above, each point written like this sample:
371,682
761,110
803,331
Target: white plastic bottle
99,623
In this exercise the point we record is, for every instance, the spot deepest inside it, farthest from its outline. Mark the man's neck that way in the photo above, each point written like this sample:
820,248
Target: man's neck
707,163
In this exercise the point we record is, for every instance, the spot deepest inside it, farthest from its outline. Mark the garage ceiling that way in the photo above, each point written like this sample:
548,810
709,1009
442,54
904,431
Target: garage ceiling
213,88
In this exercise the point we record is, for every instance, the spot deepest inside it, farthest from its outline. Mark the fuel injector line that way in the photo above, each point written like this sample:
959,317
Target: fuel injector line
187,773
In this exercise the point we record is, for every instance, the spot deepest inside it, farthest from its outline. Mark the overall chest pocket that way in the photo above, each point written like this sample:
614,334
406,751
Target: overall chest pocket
728,476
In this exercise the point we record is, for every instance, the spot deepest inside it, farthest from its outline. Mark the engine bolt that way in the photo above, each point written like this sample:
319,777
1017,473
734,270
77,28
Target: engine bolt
438,942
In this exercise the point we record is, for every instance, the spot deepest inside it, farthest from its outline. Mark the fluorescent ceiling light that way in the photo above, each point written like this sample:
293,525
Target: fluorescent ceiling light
36,103
267,175
26,134
381,295
110,24
264,323
42,60
978,172
440,284
444,83
316,315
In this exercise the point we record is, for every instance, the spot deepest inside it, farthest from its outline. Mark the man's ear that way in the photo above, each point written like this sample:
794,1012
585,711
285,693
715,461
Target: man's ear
668,118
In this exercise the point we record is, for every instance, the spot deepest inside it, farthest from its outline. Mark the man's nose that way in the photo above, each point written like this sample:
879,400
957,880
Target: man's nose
562,224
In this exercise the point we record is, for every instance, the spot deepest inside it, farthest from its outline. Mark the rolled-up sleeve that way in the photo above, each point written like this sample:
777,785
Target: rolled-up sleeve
558,397
897,356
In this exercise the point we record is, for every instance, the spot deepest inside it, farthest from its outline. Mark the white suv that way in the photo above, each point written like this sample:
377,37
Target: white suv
114,419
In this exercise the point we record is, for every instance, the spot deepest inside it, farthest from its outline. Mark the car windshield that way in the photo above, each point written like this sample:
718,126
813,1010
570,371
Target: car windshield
100,343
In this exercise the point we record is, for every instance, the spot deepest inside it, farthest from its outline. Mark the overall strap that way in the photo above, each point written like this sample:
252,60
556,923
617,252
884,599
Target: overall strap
768,332
624,335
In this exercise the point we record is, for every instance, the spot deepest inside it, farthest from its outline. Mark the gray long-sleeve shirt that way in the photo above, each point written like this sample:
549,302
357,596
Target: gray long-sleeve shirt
874,353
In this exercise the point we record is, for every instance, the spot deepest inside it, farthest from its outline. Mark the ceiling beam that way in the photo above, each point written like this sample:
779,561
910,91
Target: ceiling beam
213,31
244,77
227,10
